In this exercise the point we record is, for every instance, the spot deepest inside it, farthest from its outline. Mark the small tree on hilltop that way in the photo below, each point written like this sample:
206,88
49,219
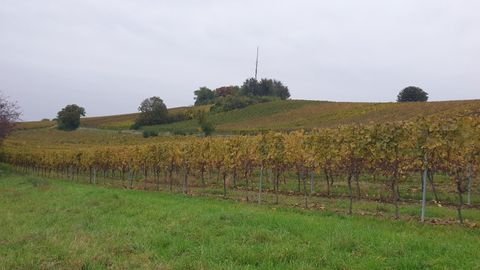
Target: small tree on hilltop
412,94
250,87
226,91
265,87
152,112
69,117
279,90
9,114
204,96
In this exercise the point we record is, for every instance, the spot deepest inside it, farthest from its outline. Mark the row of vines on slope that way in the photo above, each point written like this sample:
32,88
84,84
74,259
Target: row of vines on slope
393,151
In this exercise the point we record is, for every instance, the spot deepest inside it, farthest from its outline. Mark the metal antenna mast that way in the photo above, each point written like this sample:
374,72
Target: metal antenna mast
256,65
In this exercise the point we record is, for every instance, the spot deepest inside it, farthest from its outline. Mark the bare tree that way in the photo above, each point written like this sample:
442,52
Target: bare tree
9,114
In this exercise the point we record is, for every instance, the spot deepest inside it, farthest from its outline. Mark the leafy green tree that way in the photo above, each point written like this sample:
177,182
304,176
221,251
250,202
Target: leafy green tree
206,125
69,117
152,112
266,87
279,90
9,114
250,87
204,96
207,128
412,94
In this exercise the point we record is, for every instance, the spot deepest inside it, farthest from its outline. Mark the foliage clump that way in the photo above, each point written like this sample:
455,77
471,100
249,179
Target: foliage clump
204,96
265,87
206,125
9,114
150,133
152,112
251,92
412,94
69,117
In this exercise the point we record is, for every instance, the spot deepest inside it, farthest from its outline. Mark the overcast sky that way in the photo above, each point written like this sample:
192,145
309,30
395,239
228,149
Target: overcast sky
109,55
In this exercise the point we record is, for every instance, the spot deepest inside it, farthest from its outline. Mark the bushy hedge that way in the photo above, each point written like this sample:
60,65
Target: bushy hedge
230,103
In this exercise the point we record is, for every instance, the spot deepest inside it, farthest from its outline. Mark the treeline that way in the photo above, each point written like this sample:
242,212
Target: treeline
392,151
252,91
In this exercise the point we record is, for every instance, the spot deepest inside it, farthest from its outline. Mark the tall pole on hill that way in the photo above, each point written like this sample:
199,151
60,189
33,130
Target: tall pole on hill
256,65
424,188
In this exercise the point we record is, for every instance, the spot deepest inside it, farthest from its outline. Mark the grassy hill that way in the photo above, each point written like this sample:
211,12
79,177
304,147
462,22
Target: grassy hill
285,115
296,114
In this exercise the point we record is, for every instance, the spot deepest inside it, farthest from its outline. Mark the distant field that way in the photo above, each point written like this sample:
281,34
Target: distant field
284,115
35,125
296,114
54,224
83,137
125,121
121,121
278,115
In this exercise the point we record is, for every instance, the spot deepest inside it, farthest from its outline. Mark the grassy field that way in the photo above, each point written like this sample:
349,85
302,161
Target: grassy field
54,224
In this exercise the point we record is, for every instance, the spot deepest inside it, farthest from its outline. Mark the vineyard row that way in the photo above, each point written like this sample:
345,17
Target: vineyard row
394,151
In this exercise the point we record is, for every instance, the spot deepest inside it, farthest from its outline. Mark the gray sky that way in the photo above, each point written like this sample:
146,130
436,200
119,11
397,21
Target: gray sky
109,55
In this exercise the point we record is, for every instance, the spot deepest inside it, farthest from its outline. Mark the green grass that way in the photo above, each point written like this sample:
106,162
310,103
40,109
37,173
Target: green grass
52,224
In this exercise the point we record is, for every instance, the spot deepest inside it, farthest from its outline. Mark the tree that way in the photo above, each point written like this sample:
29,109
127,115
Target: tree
206,125
412,94
250,87
279,90
152,112
226,91
266,87
9,114
204,96
69,117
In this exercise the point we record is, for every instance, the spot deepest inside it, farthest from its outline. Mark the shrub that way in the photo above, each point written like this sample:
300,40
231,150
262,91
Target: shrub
412,94
150,133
